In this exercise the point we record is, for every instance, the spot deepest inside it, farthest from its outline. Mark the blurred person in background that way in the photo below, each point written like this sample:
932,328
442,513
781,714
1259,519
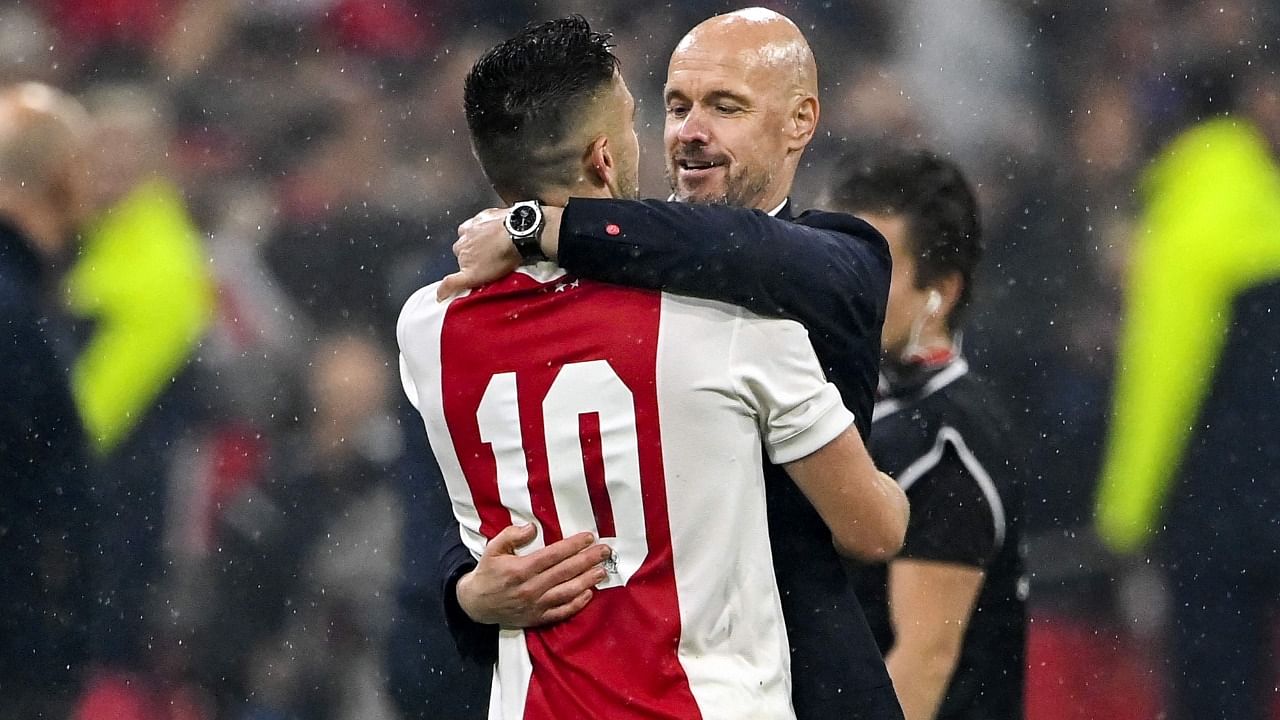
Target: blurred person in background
46,514
302,580
141,292
949,611
1193,460
742,106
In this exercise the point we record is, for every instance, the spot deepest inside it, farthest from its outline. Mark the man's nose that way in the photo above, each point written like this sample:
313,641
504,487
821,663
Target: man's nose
694,128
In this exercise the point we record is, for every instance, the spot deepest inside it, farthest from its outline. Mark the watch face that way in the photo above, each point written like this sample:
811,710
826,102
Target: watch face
522,219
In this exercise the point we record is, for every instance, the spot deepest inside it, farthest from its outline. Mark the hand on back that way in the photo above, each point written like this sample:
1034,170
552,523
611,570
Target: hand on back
546,586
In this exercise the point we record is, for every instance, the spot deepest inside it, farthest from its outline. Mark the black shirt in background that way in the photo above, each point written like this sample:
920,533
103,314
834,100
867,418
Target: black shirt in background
942,435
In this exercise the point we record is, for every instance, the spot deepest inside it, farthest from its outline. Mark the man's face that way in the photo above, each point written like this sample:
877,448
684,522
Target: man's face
724,128
627,144
907,302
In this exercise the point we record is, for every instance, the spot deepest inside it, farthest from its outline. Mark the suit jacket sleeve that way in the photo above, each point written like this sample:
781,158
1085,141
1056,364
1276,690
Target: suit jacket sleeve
829,271
474,640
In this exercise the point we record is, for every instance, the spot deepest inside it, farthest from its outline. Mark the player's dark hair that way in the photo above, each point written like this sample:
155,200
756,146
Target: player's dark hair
931,195
521,98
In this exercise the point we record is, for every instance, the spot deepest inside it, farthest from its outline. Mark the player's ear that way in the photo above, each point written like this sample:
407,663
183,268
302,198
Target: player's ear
600,162
803,121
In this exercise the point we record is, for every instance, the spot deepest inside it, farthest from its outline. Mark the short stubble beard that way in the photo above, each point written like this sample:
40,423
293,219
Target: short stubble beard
741,190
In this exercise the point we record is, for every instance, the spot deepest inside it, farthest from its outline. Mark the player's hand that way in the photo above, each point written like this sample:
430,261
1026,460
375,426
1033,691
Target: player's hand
485,253
543,587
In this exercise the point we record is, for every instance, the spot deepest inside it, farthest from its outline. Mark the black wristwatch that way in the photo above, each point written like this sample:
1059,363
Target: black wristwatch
524,222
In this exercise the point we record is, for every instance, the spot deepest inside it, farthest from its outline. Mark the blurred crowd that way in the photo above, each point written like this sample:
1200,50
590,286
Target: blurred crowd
277,176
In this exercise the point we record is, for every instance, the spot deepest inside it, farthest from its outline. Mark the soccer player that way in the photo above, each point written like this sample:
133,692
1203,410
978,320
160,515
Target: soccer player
637,416
949,610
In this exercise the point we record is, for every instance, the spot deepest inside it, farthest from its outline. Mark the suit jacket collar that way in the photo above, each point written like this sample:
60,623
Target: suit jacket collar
783,211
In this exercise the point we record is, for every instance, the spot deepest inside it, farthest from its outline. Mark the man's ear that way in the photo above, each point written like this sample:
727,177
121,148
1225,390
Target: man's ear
803,122
601,170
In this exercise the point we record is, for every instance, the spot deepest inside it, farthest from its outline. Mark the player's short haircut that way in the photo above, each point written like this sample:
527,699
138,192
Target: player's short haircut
524,97
931,195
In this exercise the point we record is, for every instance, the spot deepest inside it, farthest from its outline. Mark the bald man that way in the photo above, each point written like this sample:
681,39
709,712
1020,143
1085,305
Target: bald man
44,599
755,79
741,106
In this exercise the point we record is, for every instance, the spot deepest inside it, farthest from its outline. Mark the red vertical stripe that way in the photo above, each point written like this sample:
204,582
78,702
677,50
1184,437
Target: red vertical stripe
593,465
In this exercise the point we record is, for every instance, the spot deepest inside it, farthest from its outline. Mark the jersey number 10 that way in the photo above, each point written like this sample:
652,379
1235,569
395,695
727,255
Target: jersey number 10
579,389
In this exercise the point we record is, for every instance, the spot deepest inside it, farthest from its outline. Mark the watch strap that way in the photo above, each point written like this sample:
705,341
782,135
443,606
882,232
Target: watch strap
530,248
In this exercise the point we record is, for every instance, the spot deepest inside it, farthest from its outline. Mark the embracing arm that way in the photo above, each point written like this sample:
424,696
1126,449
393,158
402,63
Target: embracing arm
503,588
828,271
543,587
806,429
824,271
865,509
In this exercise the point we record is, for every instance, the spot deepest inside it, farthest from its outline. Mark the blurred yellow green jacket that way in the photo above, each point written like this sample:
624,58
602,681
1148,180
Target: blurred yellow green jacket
1210,230
143,278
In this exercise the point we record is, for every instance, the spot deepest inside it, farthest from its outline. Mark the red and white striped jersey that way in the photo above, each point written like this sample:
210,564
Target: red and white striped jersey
641,417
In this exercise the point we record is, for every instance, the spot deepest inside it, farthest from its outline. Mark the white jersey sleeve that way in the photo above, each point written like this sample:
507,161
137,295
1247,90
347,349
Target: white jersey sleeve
778,376
415,307
406,381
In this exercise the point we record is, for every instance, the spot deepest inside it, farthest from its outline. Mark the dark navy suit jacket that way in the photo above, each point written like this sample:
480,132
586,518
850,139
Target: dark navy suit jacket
830,272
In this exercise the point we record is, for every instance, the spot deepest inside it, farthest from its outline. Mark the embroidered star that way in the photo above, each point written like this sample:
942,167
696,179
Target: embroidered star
560,287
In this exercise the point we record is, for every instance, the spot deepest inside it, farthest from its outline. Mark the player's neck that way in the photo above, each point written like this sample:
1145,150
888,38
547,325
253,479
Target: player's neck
559,197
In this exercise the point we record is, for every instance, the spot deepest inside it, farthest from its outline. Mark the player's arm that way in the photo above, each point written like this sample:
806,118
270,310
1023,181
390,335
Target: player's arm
735,255
832,278
865,509
954,532
806,428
